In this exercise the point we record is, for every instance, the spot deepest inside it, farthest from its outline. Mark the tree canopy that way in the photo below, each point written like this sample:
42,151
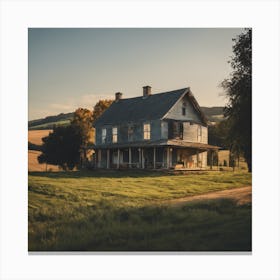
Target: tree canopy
64,146
82,122
100,107
238,89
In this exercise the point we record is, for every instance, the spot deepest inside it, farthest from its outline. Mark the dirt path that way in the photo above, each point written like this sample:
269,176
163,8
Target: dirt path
242,195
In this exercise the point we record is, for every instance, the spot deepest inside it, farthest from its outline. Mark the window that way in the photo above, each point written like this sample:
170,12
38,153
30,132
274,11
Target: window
147,131
130,133
184,109
104,132
177,130
115,134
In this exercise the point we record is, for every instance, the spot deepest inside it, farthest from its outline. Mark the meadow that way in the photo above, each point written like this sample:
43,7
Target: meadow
129,211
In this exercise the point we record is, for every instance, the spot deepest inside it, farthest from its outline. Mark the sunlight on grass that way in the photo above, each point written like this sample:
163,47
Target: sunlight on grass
123,211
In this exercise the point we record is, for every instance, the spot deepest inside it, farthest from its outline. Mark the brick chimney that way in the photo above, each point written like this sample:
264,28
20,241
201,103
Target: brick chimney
118,96
147,91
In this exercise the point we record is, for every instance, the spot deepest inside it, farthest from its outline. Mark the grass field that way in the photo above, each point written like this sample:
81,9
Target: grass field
127,211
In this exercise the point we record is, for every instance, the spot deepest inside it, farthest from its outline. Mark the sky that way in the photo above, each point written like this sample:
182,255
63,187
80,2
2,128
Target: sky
70,68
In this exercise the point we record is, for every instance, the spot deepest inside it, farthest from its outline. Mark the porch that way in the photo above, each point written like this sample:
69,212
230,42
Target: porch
153,157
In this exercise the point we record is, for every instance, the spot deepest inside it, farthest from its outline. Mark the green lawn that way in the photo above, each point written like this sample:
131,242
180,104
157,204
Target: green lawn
123,211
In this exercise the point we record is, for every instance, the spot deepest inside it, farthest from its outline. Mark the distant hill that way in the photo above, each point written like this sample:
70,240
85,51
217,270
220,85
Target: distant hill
48,122
214,114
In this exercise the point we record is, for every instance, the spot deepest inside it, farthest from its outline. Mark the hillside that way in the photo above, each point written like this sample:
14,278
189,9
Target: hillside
214,114
48,122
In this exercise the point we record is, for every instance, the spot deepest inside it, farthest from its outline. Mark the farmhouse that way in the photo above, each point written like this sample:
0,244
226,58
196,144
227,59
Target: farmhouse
164,130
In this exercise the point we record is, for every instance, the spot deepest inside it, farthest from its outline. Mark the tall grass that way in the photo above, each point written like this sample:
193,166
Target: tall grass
123,211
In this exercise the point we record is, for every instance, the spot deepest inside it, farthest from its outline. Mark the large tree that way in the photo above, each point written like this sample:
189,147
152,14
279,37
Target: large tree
238,89
100,107
64,145
82,122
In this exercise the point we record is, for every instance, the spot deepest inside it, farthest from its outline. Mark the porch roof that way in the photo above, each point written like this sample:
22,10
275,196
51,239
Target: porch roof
158,143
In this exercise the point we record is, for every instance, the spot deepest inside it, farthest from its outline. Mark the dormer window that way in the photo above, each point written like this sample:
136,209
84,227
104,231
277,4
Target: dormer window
147,131
115,134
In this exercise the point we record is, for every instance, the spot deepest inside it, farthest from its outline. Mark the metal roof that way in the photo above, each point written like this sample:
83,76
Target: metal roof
141,108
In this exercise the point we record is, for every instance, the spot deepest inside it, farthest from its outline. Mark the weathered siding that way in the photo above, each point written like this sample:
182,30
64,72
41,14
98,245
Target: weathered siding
176,112
204,135
191,133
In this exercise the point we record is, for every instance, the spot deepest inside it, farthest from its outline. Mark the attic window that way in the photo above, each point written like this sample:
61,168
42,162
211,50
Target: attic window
184,108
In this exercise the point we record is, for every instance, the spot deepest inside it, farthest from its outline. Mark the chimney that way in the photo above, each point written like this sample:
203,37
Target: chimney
147,91
118,96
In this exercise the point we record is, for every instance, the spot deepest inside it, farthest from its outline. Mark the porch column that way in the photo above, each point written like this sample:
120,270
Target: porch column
118,162
211,159
108,158
99,158
197,159
129,157
167,158
139,155
217,151
95,158
154,157
143,160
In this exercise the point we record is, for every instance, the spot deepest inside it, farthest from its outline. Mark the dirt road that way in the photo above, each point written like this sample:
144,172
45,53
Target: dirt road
242,195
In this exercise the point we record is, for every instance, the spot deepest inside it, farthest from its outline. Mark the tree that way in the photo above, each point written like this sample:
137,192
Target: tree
100,107
62,147
82,122
217,134
238,89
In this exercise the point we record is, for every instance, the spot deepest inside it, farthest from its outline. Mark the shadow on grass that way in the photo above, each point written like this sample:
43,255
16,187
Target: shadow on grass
216,225
100,174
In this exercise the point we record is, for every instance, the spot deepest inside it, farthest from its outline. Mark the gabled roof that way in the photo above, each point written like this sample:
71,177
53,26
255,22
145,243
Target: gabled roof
142,108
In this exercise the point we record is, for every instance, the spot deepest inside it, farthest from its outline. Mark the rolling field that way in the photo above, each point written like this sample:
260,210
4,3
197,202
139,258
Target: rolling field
129,211
34,165
35,137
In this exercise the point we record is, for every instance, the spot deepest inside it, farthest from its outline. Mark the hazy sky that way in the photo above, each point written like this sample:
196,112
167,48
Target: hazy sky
71,68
